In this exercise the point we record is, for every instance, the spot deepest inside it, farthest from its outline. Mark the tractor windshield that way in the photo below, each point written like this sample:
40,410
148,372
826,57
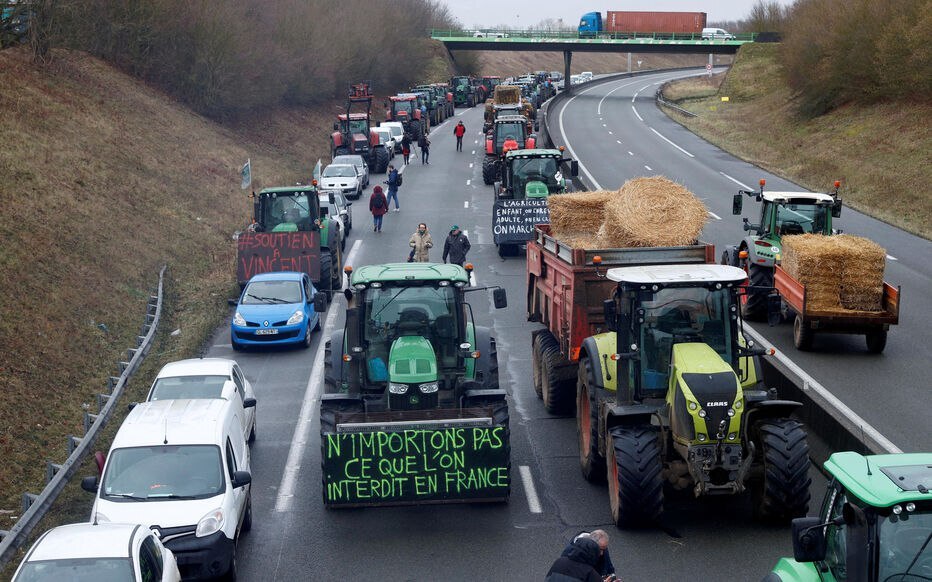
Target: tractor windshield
801,218
535,169
682,314
514,130
287,212
402,106
357,126
905,547
426,311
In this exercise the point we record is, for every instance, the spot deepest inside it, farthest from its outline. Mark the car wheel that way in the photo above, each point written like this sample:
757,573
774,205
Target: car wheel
307,337
252,436
247,519
317,325
237,347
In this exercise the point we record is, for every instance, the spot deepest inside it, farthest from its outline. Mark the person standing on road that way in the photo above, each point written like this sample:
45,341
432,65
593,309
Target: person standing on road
378,206
421,242
424,144
578,564
406,147
393,183
459,131
456,246
603,565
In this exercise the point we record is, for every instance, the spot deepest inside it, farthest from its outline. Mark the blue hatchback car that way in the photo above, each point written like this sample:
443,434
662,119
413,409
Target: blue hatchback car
277,309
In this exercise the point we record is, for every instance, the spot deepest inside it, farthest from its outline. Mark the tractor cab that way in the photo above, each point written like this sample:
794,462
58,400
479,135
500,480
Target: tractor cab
875,523
287,210
533,174
352,132
403,108
489,83
507,128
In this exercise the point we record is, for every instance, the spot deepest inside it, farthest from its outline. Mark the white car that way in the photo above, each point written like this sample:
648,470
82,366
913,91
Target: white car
98,552
342,178
398,132
208,378
387,139
585,76
361,165
490,34
716,34
345,206
330,209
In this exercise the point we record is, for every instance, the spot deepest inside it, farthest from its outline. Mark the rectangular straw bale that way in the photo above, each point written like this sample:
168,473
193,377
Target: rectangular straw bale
507,94
653,212
816,261
578,213
862,273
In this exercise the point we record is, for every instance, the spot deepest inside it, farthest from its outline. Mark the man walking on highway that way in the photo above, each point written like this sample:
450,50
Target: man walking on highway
421,243
424,144
456,246
392,182
459,131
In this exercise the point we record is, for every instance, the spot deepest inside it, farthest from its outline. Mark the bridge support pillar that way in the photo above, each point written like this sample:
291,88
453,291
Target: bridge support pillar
567,60
629,63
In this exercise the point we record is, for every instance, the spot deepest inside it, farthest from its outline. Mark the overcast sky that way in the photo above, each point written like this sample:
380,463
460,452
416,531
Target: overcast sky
523,13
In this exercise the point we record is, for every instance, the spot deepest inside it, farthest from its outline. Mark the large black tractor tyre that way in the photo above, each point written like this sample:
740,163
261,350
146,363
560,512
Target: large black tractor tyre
780,489
802,334
381,160
508,249
333,363
489,170
336,280
536,365
876,341
326,274
635,481
557,381
471,101
487,364
591,462
755,308
341,151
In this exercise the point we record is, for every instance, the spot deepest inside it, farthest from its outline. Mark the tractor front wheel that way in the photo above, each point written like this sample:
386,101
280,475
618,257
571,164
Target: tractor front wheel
489,170
635,483
591,461
556,388
781,491
755,307
381,160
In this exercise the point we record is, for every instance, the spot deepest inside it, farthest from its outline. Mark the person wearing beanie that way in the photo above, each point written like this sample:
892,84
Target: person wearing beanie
378,206
456,246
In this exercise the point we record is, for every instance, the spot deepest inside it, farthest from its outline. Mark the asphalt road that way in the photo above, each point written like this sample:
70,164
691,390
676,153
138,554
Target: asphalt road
295,538
618,132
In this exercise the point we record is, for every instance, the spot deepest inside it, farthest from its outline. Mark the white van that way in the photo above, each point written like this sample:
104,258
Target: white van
716,34
181,468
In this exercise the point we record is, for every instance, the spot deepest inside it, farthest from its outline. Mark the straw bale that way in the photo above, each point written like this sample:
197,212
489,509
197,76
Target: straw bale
862,273
653,212
578,213
507,94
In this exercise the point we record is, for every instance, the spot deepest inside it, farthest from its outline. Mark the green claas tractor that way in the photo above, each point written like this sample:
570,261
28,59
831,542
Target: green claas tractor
875,524
672,397
464,93
782,213
412,410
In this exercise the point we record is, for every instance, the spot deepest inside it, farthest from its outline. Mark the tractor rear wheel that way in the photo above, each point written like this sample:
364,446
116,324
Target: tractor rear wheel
489,170
330,381
336,281
591,461
755,307
556,388
802,334
781,492
470,101
876,341
381,160
536,365
326,274
635,483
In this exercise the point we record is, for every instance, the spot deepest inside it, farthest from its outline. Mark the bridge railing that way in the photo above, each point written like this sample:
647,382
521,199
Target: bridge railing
520,35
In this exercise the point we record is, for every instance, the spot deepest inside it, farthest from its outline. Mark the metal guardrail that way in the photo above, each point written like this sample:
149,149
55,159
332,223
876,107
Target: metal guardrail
507,34
36,506
658,96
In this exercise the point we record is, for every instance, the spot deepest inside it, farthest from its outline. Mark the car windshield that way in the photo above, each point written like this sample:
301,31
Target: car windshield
180,387
430,312
163,472
535,169
676,315
272,292
287,212
904,542
77,570
384,136
340,171
396,130
801,218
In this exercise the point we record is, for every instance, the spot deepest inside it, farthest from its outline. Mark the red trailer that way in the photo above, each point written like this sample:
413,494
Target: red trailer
566,288
671,22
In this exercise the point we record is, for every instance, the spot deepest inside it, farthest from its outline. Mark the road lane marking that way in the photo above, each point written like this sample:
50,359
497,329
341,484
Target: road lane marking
630,153
618,141
610,133
468,182
671,143
636,113
471,164
465,203
302,430
745,186
474,151
603,125
533,502
892,258
715,216
604,97
648,168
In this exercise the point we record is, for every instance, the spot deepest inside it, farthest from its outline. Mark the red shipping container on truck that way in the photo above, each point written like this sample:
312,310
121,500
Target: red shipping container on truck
676,22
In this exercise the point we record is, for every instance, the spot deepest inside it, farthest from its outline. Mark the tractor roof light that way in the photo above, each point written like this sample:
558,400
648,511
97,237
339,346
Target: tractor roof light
597,260
347,358
348,269
742,254
443,283
468,267
762,182
897,510
731,412
837,184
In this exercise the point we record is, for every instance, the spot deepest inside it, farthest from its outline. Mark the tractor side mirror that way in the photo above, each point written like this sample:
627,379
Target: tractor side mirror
747,225
499,298
737,203
836,208
320,302
809,543
611,314
774,308
574,168
336,126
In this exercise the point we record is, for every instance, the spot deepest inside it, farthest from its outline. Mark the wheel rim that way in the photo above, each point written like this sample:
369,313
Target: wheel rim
613,482
585,423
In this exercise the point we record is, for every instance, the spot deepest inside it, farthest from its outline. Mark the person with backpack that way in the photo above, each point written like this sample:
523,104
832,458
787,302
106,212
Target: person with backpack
394,181
378,206
459,131
424,144
406,147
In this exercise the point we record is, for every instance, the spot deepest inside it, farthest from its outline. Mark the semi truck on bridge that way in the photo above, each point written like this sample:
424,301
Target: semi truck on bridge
622,24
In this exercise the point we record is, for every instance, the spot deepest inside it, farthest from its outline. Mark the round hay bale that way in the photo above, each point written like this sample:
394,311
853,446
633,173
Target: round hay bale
653,212
578,212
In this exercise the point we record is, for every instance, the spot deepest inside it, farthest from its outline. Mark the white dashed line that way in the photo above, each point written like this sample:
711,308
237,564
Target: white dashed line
302,430
533,502
471,164
892,258
745,186
610,133
648,168
715,216
603,125
636,113
629,153
474,151
618,141
671,143
465,203
468,182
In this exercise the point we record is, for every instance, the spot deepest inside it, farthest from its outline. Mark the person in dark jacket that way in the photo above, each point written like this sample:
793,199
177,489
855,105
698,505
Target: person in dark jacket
604,565
392,187
456,246
424,143
378,206
406,147
578,565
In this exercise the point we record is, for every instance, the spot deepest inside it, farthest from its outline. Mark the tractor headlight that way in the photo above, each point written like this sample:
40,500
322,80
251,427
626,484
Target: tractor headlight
396,388
239,320
701,436
296,317
429,387
693,406
738,405
731,412
702,414
732,436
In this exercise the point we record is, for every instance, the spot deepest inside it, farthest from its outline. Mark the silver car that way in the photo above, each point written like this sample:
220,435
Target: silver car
361,166
342,178
344,205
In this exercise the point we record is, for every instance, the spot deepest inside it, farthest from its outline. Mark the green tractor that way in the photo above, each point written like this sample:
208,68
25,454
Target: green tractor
436,103
782,213
528,178
875,524
413,371
464,92
672,398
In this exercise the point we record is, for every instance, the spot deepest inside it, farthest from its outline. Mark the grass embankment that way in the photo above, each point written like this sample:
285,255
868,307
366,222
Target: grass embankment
512,63
882,153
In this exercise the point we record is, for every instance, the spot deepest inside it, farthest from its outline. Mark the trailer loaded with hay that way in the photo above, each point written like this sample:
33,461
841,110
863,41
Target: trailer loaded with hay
834,284
649,221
